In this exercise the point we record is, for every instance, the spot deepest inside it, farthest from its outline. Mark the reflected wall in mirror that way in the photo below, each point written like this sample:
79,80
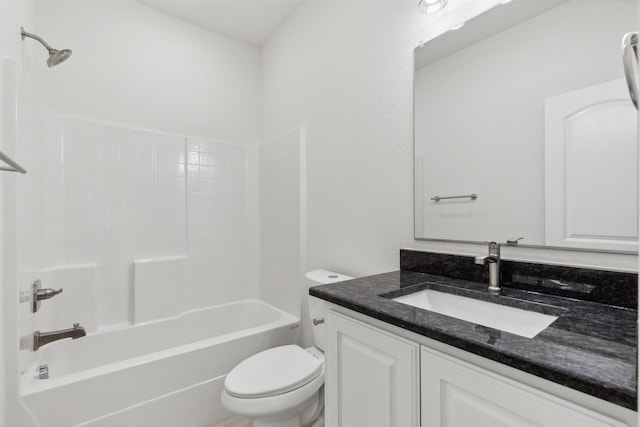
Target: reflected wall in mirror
526,107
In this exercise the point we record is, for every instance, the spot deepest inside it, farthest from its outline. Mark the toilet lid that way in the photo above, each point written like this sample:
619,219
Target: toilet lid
272,372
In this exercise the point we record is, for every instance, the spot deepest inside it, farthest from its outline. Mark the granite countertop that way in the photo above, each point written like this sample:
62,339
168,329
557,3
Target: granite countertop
591,347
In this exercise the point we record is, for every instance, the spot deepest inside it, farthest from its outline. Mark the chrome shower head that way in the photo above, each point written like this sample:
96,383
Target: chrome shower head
55,56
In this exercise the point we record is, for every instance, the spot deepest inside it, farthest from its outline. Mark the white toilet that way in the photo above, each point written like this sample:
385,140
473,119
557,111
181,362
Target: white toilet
283,386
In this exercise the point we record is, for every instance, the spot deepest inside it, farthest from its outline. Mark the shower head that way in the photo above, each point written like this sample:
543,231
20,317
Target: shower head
58,56
55,56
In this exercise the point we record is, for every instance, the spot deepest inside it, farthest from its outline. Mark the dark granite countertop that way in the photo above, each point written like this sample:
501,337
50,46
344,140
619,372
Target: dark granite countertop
591,347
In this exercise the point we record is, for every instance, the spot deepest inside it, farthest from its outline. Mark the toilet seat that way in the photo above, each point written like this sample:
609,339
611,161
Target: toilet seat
273,372
286,404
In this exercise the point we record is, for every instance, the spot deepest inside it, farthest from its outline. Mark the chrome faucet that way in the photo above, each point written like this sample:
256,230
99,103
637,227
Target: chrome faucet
42,338
493,259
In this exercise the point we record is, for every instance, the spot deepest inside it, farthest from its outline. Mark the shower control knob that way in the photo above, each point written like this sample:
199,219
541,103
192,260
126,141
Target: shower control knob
40,294
47,293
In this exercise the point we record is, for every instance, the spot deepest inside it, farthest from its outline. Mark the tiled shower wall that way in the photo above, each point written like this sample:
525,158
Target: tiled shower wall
112,196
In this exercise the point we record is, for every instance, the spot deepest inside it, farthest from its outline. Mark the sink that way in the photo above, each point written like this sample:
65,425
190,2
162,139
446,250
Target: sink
509,319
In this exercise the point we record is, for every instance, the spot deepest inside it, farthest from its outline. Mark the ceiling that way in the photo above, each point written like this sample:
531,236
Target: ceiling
250,21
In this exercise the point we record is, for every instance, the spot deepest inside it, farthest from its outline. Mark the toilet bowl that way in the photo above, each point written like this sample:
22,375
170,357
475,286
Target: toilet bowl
278,387
284,386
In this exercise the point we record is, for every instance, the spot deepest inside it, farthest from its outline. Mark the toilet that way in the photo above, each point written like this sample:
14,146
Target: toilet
284,386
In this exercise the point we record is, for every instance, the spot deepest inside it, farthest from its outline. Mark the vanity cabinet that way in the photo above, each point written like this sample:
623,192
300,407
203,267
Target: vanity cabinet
459,394
372,376
377,378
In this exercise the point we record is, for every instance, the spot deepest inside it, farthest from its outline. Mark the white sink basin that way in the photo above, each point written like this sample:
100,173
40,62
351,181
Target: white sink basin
509,319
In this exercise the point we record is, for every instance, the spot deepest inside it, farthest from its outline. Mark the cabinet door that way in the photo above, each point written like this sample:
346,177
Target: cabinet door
372,376
458,394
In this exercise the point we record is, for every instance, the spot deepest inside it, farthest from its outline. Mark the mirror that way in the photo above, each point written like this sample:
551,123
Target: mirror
526,108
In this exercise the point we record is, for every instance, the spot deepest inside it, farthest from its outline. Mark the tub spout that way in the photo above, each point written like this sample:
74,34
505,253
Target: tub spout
42,338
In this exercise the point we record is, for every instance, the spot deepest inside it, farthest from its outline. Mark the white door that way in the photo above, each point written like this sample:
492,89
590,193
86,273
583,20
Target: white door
591,190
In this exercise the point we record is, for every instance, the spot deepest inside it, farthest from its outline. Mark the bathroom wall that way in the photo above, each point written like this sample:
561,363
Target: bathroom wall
283,192
344,70
169,77
135,66
155,82
142,158
118,204
14,85
146,142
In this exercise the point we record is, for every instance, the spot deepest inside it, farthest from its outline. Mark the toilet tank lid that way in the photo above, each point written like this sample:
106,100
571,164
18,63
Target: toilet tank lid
326,276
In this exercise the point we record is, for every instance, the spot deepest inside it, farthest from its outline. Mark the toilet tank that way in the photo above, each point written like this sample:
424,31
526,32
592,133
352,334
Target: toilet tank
318,307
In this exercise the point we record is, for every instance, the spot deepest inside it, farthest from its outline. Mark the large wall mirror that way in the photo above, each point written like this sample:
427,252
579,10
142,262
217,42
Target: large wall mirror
524,128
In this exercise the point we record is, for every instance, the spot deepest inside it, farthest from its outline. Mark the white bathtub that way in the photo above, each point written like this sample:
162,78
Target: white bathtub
163,373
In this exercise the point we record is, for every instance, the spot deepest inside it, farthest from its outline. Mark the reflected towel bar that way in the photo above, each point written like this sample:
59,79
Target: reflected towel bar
14,166
470,196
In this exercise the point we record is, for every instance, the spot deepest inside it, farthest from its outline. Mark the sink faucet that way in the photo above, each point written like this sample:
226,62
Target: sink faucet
42,338
493,259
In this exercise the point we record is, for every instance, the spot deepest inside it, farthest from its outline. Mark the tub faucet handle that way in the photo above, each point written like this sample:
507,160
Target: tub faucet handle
47,293
40,294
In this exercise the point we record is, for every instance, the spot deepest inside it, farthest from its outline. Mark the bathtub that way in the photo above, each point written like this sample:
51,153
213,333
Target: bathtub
163,373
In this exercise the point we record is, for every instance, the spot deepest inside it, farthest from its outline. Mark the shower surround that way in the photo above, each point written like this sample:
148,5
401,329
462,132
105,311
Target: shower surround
136,226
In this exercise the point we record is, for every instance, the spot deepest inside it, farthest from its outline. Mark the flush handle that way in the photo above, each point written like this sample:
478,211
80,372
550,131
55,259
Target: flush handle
317,322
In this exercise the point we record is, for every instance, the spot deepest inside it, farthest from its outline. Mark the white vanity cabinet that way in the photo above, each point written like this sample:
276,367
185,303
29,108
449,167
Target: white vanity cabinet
459,394
372,377
377,378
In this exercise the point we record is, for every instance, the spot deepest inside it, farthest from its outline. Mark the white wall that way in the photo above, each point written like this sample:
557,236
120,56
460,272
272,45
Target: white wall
344,70
142,92
146,79
12,15
283,220
112,201
133,65
111,193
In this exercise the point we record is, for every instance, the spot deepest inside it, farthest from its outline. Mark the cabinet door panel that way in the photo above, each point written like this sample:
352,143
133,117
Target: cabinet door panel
372,376
457,394
462,408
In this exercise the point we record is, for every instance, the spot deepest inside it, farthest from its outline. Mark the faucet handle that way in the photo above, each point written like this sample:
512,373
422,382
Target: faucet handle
480,260
514,240
492,256
39,294
494,249
47,293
